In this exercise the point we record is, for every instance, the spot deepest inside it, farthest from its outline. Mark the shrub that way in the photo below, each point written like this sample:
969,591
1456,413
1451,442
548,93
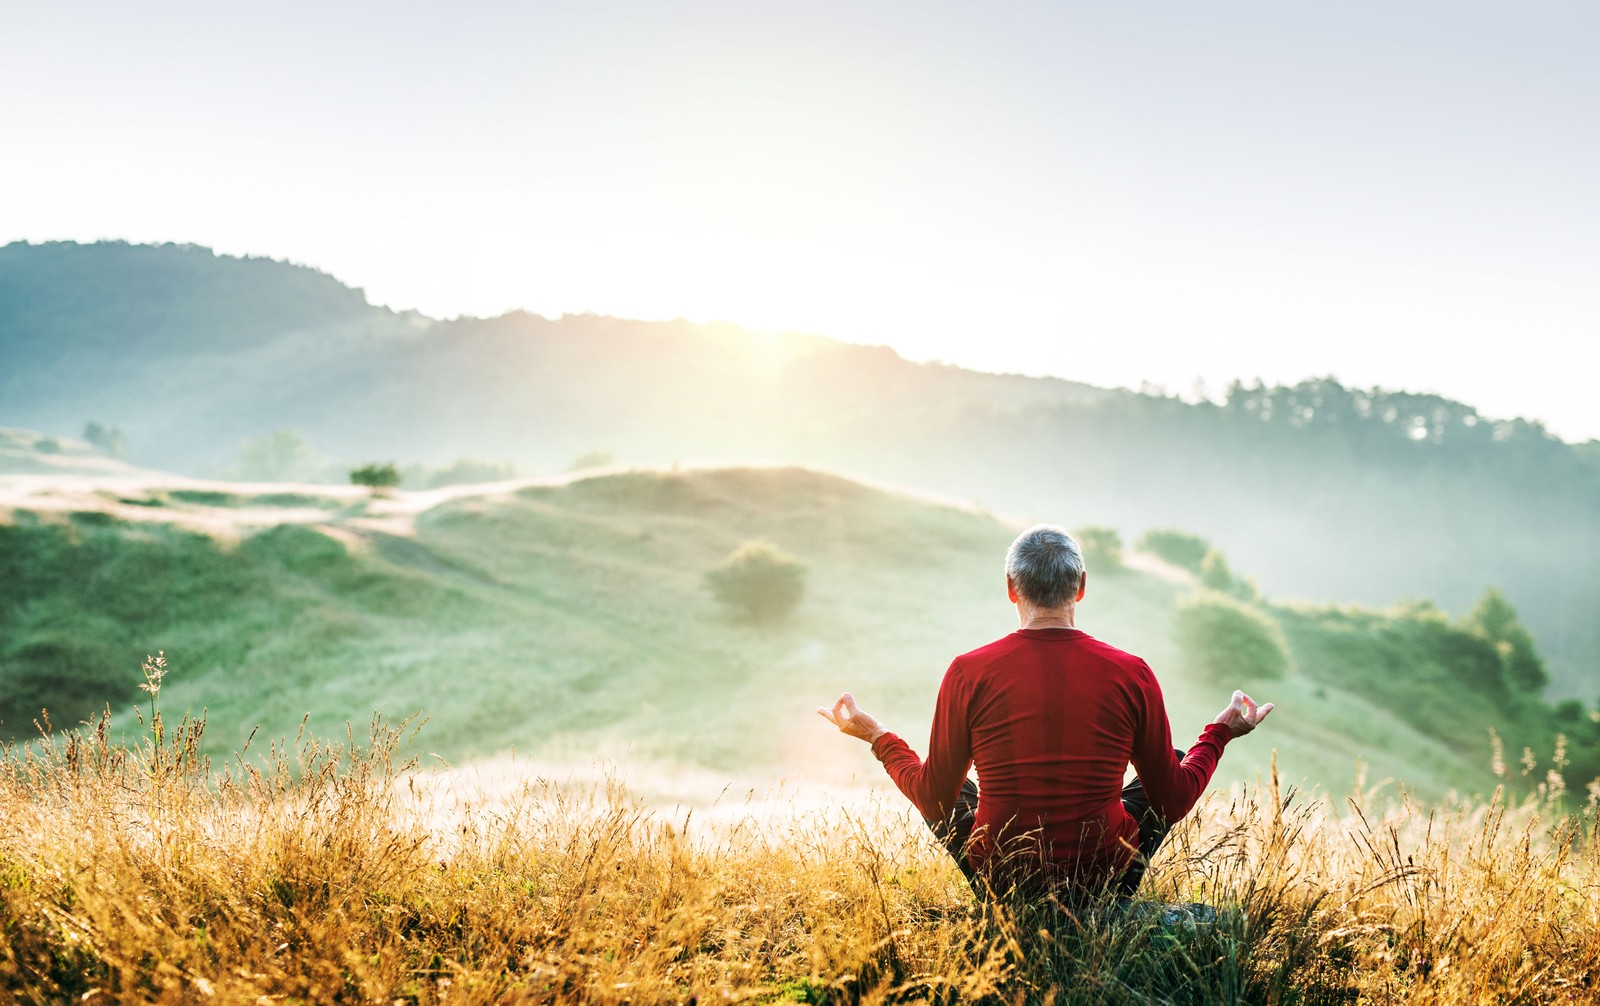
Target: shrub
1218,575
1228,641
1496,620
376,477
280,456
469,471
1186,551
592,459
1101,547
758,581
1215,572
108,440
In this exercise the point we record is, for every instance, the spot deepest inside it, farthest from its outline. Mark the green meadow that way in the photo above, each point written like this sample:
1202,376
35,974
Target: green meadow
568,621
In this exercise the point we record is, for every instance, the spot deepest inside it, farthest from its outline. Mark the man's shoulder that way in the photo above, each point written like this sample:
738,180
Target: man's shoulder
1084,645
987,652
1105,650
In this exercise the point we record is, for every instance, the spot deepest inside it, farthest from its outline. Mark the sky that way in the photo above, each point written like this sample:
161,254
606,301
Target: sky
1175,193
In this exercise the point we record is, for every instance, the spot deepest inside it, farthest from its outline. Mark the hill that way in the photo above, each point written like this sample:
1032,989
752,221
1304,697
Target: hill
187,352
1323,492
567,619
24,452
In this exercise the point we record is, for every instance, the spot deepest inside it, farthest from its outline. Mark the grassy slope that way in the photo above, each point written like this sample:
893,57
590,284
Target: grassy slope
24,452
567,620
189,353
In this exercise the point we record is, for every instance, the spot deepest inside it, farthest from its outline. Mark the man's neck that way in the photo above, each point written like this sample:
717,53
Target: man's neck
1047,618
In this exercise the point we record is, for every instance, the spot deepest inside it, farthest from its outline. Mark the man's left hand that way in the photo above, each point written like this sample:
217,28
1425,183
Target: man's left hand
1242,714
852,720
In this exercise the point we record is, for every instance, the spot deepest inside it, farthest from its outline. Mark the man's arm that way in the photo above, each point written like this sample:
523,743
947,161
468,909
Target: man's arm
931,785
1173,785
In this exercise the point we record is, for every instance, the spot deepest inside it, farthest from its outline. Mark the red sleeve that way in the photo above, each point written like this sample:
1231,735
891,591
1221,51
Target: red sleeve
1172,785
932,785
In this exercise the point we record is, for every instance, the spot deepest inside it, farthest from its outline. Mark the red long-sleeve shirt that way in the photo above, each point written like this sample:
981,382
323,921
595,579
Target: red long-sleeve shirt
1052,718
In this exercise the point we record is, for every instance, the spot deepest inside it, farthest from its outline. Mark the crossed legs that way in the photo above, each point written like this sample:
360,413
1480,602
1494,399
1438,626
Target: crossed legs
955,831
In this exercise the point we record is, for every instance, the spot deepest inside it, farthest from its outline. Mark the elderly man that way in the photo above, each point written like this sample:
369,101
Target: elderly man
1052,717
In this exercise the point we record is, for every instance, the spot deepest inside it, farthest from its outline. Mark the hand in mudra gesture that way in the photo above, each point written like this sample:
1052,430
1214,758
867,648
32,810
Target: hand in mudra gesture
852,719
1242,714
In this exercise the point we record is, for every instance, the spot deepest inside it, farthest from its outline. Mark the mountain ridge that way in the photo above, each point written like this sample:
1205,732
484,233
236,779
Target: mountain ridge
1324,492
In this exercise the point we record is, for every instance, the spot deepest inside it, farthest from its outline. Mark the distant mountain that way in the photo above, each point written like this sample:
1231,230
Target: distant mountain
1318,490
187,352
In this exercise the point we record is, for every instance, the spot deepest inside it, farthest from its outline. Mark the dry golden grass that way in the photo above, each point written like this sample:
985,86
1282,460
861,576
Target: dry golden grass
327,873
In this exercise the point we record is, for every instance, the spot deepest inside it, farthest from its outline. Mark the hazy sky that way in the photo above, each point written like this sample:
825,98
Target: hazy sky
1394,193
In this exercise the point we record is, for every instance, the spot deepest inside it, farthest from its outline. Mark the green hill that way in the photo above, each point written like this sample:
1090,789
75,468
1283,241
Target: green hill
188,352
1321,491
24,452
569,620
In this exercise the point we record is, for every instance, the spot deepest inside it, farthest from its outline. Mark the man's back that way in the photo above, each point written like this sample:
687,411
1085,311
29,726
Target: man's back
1052,718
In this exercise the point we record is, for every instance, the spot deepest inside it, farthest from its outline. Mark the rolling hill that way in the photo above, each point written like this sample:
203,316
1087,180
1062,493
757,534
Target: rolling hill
567,619
1322,492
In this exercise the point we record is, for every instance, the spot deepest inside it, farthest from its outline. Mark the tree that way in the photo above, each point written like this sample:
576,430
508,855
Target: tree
1215,573
376,477
467,471
1186,551
1101,547
592,459
108,440
758,582
1228,641
280,456
1218,575
1496,620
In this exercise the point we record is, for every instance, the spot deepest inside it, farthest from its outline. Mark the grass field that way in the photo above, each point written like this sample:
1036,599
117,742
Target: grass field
326,873
568,621
675,824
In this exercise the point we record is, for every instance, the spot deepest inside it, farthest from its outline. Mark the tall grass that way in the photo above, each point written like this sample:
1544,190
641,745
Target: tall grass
326,872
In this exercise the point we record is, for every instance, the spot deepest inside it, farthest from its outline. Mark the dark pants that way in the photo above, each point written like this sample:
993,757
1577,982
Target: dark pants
956,831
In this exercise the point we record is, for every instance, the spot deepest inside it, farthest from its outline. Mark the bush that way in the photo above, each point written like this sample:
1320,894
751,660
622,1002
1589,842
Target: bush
1467,657
758,581
1230,642
1101,547
469,471
1496,620
1186,551
280,456
1218,575
592,459
108,440
376,477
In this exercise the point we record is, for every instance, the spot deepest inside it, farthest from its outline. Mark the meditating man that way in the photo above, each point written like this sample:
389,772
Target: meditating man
1052,717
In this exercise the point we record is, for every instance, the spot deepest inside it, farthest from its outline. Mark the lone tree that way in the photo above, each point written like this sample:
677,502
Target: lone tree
376,477
759,582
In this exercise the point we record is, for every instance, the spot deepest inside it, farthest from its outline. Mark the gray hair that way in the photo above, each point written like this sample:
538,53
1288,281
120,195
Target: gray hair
1045,566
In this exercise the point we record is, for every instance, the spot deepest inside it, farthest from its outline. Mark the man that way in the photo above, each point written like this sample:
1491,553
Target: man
1051,717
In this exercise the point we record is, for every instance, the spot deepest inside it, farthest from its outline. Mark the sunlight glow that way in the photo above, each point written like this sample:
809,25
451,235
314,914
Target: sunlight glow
1107,195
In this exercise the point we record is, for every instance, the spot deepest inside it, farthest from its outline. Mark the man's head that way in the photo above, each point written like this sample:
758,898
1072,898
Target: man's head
1045,568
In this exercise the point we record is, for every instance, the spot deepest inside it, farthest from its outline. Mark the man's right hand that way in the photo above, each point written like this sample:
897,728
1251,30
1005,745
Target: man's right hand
852,719
1242,714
